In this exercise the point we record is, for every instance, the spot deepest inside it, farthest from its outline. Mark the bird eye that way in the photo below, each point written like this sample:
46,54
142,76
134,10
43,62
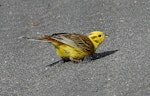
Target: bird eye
99,35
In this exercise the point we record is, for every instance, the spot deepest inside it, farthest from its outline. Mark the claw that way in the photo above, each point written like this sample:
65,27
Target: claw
76,60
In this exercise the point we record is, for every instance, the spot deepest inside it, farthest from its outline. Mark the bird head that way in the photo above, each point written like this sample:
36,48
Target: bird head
96,38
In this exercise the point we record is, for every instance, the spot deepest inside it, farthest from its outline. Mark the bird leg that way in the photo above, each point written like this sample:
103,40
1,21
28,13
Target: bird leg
76,60
65,60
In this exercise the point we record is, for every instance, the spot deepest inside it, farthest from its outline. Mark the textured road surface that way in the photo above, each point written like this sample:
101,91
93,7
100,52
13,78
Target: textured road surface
125,72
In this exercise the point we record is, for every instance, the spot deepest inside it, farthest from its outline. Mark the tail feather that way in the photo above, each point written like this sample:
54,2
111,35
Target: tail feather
48,39
43,39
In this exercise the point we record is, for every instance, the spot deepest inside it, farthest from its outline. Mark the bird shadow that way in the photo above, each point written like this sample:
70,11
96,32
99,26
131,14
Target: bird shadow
90,58
61,61
102,55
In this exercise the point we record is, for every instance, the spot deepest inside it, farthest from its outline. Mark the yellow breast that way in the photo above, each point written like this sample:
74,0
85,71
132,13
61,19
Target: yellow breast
65,51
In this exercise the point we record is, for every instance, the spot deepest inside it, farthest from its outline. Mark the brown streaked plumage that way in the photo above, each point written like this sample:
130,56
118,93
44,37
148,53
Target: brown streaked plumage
74,46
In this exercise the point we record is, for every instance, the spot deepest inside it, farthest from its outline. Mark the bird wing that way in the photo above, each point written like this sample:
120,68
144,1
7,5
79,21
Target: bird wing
74,40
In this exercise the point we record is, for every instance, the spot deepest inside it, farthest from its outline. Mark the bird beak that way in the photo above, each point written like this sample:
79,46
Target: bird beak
106,35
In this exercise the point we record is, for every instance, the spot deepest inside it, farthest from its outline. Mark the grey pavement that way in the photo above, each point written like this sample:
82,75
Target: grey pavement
125,72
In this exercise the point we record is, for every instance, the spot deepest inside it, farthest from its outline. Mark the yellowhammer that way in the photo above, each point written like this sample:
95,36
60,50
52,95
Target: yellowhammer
72,46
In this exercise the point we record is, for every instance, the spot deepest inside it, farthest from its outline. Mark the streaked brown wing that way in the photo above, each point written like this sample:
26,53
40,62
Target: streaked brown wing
75,40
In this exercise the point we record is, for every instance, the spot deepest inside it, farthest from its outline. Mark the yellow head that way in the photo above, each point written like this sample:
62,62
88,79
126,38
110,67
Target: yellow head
97,38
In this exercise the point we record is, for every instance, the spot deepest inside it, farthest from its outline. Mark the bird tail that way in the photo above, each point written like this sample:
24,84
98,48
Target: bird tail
43,39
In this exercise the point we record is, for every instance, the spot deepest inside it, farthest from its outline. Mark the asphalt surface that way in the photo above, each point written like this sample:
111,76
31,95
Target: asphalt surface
120,67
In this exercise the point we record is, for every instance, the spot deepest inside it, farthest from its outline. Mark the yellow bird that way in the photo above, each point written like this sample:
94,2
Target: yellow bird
72,46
